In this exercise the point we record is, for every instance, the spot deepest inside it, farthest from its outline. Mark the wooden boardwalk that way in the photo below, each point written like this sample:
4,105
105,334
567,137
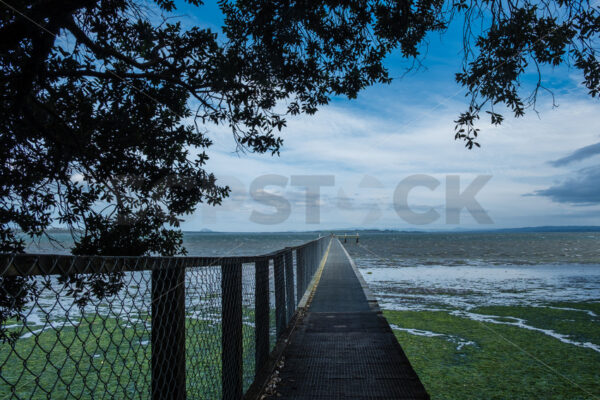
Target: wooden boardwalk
343,348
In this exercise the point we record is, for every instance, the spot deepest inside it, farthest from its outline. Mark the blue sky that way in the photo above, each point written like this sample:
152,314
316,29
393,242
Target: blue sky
544,169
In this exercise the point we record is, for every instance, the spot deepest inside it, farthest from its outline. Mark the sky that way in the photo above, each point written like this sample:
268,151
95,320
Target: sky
388,159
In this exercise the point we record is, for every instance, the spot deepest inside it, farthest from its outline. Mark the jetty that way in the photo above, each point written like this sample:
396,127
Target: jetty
296,323
343,348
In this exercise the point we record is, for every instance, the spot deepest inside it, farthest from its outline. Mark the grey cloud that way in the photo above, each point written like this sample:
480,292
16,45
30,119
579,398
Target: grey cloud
578,155
582,189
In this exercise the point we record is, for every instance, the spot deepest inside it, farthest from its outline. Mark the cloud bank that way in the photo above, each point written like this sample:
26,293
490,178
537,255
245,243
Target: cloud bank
582,189
578,155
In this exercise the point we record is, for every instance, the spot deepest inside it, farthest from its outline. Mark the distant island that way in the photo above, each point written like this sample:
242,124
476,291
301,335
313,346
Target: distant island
569,228
338,231
552,229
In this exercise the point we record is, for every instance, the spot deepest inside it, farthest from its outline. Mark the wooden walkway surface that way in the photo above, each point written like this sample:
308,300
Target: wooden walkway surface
343,348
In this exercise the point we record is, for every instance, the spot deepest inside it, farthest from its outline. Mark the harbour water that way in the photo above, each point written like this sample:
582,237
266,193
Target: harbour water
436,270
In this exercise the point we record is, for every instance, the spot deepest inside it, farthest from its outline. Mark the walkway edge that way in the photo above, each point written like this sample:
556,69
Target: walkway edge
371,299
343,346
310,291
264,376
374,305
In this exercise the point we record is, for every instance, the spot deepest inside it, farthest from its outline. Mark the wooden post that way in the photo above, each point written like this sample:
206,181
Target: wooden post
261,313
168,333
289,286
231,327
279,294
300,283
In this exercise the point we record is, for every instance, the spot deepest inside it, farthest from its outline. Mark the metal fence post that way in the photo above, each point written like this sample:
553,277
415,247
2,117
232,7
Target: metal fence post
279,294
231,328
309,260
289,286
320,250
300,278
306,261
168,333
313,247
261,313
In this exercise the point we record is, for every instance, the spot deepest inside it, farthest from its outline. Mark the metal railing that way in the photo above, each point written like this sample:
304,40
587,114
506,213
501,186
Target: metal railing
148,327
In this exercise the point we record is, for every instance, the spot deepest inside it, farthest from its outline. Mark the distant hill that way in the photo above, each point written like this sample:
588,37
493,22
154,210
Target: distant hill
508,230
474,230
552,229
469,230
589,228
573,228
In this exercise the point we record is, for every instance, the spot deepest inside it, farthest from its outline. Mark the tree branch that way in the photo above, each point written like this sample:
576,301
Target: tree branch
103,51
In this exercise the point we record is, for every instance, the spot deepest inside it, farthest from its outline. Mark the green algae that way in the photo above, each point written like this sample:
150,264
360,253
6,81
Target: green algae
504,361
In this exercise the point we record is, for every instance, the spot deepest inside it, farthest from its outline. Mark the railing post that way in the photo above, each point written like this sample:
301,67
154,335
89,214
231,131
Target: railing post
300,274
310,258
261,313
320,251
317,258
231,330
289,286
279,294
168,333
306,260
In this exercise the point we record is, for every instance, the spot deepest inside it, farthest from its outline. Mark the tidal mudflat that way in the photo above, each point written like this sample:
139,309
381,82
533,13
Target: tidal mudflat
475,328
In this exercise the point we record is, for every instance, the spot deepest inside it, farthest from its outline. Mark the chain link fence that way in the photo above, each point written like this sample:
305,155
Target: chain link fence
146,327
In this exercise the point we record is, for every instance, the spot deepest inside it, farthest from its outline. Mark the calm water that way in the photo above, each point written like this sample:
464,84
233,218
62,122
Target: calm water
437,270
465,270
456,273
201,244
400,249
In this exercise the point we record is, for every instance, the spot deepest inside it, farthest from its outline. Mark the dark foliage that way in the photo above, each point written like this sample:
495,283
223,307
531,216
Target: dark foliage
15,293
519,38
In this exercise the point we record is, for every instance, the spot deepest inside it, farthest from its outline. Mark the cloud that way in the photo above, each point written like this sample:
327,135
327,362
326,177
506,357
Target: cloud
583,189
578,155
370,152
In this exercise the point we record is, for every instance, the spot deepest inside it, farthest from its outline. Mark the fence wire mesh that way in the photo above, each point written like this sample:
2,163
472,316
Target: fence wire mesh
139,328
203,332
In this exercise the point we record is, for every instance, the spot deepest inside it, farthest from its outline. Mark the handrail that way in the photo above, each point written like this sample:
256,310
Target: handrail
31,264
155,324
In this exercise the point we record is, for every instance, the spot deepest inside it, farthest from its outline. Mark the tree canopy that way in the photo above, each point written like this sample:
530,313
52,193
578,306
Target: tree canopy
104,103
